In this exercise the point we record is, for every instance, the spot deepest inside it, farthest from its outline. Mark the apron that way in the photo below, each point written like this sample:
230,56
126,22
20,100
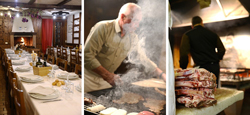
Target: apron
94,82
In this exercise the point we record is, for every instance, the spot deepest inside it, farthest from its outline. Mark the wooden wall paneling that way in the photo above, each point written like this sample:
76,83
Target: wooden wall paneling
37,25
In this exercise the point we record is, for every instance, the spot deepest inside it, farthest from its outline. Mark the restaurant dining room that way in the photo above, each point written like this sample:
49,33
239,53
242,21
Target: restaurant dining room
41,53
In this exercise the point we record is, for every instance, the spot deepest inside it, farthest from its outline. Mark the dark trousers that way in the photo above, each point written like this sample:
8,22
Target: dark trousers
213,68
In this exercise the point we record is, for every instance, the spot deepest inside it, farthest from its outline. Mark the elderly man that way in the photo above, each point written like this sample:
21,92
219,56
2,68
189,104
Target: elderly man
107,45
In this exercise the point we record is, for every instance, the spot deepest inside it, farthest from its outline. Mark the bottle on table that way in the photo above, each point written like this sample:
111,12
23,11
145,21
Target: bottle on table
39,63
44,63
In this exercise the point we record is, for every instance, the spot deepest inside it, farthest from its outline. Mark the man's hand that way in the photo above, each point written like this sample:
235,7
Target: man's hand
111,78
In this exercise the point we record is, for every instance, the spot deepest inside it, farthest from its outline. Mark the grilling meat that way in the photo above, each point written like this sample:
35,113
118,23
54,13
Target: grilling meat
195,86
154,105
87,101
130,98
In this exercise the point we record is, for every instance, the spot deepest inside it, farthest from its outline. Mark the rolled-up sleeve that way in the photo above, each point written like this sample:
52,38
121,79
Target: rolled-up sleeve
221,49
93,46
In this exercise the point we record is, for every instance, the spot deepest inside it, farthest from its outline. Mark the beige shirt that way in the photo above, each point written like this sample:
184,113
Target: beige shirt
104,46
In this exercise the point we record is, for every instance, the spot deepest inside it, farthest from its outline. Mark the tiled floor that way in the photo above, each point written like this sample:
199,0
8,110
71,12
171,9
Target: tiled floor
4,106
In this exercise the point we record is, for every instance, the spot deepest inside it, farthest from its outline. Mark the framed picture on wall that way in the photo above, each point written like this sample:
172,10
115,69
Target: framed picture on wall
69,28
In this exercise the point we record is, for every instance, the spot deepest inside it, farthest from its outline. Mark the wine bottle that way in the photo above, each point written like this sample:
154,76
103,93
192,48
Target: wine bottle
44,63
39,62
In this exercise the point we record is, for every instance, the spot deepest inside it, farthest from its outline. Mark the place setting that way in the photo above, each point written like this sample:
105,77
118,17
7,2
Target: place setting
23,68
18,62
31,78
67,75
47,94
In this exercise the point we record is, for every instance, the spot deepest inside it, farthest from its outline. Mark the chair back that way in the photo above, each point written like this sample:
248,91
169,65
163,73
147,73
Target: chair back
41,55
18,99
58,52
78,70
51,51
64,54
51,59
79,57
62,64
73,59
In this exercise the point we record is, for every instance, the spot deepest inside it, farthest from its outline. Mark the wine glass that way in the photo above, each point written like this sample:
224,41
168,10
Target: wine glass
66,81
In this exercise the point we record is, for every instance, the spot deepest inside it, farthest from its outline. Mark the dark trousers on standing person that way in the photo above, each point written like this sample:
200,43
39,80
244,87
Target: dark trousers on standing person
214,68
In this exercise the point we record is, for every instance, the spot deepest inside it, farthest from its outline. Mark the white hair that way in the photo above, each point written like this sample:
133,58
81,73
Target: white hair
129,9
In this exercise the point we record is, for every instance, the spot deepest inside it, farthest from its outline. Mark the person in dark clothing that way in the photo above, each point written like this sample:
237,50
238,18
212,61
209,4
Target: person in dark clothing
202,44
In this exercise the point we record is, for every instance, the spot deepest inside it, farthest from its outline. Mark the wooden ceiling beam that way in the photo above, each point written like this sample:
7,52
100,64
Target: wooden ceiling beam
31,2
63,2
40,6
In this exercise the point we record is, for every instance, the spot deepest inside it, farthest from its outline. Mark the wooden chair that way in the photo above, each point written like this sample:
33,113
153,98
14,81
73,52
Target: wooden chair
58,52
51,59
62,64
41,55
51,51
64,54
78,70
18,99
73,60
79,57
10,88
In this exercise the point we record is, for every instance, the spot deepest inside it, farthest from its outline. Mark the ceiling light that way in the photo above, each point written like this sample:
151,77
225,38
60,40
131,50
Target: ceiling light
61,14
17,15
8,13
1,14
54,17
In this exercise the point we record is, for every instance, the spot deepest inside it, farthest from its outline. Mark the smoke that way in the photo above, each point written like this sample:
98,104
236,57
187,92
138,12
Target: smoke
151,33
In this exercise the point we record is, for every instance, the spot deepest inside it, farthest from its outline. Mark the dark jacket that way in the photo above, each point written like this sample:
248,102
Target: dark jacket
201,43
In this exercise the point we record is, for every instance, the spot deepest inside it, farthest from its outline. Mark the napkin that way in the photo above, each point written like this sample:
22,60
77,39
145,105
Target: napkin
55,67
30,77
9,51
18,62
23,68
64,75
12,55
14,58
42,90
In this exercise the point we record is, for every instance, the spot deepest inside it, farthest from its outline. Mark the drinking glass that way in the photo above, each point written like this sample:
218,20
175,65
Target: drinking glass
66,82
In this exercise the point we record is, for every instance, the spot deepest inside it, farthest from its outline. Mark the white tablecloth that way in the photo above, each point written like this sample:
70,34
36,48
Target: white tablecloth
36,107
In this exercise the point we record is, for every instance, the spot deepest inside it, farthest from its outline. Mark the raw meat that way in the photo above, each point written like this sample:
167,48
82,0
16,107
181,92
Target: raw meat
130,98
195,86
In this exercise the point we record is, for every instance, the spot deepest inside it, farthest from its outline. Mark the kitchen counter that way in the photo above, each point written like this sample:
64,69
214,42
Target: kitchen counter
225,98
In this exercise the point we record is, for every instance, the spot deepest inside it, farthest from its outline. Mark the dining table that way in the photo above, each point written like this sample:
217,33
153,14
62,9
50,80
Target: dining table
69,104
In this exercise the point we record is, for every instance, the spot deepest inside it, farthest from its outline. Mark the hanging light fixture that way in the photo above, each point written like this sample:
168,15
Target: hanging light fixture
60,14
17,15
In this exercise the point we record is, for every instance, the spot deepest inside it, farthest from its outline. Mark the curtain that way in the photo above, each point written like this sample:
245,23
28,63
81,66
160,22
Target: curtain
47,33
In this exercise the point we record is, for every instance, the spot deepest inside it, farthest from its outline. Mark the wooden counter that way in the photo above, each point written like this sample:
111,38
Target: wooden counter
225,98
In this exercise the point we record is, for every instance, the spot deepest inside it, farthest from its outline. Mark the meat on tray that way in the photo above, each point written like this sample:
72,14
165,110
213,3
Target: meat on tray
195,87
130,98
